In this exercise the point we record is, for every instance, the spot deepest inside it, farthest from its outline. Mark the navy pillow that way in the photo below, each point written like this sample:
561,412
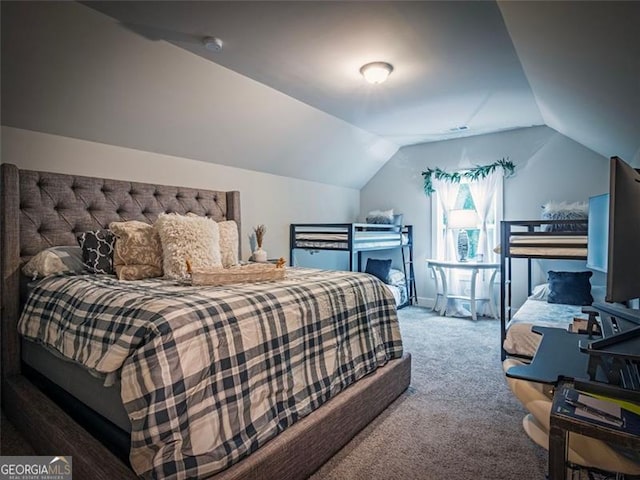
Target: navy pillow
97,250
379,268
571,288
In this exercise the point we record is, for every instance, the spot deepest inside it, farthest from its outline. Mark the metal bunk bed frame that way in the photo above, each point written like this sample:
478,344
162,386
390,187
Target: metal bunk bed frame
355,252
506,256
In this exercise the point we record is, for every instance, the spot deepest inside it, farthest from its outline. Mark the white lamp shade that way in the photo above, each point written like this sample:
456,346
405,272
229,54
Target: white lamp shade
462,219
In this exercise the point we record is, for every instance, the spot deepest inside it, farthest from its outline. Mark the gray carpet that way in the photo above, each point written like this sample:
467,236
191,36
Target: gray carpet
457,421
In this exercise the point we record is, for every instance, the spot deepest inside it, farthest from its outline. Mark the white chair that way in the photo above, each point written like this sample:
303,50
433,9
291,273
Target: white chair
582,450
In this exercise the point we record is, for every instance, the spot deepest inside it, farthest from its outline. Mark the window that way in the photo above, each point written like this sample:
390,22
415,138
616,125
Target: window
484,236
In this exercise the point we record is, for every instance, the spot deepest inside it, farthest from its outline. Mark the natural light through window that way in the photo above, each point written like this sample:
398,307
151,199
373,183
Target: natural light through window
483,234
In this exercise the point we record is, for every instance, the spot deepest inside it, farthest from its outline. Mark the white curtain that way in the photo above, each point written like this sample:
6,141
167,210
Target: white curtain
482,192
447,193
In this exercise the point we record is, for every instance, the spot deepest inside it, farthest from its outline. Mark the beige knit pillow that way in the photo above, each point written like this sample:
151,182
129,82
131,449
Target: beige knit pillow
228,242
183,238
137,253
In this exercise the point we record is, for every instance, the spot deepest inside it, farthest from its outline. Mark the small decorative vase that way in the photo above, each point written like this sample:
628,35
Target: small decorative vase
260,255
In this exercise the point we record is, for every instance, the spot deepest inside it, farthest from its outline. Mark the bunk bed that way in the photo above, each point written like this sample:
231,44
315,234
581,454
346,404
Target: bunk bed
356,238
530,240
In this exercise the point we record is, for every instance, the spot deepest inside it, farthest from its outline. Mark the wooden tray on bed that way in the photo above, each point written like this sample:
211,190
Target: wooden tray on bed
252,272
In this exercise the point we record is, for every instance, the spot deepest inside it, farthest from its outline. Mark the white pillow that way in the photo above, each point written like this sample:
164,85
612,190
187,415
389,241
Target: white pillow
196,239
54,260
229,240
540,292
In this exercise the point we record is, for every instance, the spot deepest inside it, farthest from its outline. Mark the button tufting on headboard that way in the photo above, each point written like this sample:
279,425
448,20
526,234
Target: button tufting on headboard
85,203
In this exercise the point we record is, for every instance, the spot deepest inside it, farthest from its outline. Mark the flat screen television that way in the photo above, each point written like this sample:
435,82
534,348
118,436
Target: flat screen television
623,249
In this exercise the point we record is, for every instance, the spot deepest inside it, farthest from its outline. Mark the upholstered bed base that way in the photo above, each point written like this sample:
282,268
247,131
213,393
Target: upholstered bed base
39,210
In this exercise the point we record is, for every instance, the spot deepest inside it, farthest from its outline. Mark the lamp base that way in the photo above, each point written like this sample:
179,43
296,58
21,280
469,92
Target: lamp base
463,246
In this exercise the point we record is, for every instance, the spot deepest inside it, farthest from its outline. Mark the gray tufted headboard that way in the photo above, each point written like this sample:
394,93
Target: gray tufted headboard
41,210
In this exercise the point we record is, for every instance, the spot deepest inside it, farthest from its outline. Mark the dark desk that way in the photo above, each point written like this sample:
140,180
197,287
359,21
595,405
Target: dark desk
558,357
561,424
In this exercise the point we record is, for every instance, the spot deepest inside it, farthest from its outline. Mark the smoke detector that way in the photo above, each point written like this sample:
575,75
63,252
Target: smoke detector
213,44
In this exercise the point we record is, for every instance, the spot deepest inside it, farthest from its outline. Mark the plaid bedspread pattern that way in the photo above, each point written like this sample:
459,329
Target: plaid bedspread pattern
209,374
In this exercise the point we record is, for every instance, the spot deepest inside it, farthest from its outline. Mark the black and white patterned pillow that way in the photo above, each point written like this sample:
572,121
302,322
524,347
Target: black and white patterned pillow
97,250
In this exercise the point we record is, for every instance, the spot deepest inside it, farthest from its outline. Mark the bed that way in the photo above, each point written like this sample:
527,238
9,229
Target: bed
520,341
356,238
535,239
40,210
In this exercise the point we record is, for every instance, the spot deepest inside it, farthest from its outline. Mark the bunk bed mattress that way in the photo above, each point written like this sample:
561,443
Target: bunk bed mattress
361,240
520,340
280,350
548,245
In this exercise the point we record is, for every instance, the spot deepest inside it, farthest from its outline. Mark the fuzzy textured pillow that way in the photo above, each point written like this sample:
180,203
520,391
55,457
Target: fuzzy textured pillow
137,253
565,211
54,260
192,238
97,251
228,242
380,216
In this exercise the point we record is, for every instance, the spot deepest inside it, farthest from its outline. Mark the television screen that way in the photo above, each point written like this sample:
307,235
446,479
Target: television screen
623,274
598,230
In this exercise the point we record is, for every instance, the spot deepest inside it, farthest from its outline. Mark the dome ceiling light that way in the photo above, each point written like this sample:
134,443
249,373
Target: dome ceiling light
376,72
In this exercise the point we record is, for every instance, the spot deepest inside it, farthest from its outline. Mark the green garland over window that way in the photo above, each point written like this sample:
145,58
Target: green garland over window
475,173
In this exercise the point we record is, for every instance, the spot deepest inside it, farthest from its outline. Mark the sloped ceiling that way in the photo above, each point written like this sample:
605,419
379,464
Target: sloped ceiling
582,60
285,96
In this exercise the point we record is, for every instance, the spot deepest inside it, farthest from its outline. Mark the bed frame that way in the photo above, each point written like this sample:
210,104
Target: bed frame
39,210
512,229
348,243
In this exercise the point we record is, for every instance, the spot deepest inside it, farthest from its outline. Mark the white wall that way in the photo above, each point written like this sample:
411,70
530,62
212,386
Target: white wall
549,166
273,200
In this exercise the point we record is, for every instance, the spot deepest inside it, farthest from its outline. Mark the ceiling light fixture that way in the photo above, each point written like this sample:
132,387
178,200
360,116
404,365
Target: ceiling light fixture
376,72
213,44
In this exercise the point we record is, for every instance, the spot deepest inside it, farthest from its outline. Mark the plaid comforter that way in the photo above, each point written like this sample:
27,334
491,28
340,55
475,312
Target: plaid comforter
209,374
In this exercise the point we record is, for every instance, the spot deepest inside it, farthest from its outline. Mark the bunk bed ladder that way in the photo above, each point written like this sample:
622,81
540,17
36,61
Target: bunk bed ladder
409,278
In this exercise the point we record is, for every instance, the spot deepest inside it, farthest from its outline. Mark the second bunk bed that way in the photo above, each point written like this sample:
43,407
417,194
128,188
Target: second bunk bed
530,240
356,238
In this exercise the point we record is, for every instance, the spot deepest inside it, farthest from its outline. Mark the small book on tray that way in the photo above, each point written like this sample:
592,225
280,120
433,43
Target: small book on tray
603,410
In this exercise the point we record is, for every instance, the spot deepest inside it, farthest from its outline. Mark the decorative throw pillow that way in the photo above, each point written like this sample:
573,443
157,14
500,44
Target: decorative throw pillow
97,251
571,288
565,211
54,260
540,292
380,216
192,238
229,240
379,268
137,252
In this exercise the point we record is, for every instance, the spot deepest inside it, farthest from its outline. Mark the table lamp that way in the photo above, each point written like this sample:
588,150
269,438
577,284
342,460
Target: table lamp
460,220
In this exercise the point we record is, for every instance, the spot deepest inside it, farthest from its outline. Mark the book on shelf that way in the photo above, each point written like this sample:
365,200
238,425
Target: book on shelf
602,410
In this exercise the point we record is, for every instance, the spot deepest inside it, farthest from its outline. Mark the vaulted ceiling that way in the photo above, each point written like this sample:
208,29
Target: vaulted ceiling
485,66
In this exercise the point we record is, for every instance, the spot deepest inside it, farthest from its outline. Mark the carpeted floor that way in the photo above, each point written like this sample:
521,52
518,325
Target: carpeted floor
457,421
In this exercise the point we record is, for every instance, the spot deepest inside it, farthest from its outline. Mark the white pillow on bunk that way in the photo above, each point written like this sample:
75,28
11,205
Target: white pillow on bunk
540,292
